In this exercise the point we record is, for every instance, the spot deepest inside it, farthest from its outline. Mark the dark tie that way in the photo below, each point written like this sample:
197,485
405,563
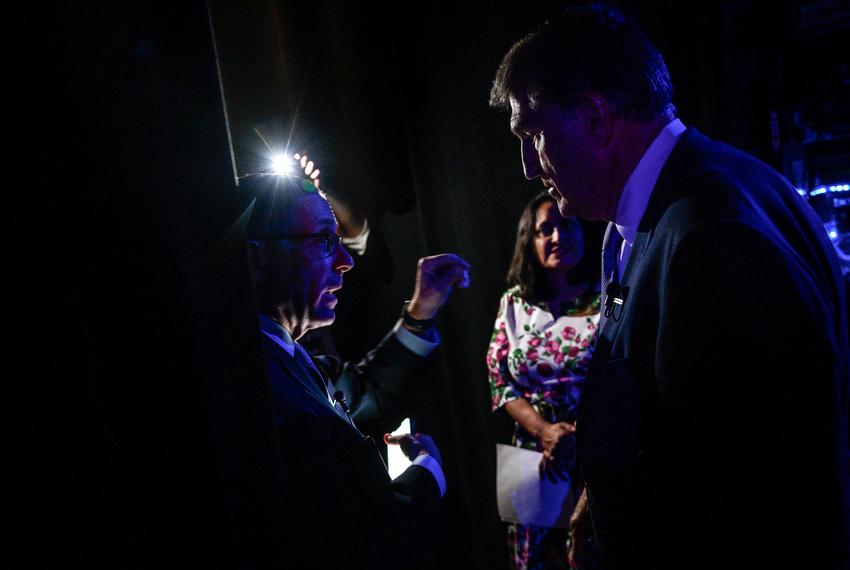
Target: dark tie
611,245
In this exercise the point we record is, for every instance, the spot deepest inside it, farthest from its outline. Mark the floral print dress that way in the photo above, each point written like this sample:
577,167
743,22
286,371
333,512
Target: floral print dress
544,359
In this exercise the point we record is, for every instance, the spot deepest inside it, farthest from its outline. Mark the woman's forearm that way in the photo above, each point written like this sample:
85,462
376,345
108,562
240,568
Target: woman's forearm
526,416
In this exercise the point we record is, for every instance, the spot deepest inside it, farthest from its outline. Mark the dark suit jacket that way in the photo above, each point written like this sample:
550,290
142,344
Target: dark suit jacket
378,388
346,512
713,430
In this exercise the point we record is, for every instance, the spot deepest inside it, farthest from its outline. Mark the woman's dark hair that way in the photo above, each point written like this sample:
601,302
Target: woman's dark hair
525,270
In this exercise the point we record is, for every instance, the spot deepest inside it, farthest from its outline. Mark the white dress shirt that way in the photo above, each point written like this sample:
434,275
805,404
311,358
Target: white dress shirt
639,187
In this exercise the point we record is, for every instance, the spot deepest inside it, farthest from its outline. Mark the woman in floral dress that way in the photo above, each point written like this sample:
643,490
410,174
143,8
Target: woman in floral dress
539,351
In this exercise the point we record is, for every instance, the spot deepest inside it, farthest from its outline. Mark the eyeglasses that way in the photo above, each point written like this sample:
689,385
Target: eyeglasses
328,241
546,229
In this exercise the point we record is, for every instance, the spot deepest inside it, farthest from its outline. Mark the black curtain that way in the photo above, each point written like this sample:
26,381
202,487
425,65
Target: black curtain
148,438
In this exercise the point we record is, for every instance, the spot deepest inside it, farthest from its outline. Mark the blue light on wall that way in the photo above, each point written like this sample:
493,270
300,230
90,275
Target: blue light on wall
831,188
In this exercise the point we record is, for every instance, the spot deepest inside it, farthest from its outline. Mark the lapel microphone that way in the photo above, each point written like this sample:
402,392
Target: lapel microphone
339,398
615,295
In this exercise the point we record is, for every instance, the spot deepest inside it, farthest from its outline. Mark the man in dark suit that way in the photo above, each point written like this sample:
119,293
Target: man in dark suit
346,511
713,431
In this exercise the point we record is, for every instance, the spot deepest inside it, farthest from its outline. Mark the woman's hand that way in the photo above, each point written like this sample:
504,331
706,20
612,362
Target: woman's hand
553,464
551,434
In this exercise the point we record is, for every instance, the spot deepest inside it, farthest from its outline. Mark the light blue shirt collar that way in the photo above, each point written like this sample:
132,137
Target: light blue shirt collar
277,333
641,182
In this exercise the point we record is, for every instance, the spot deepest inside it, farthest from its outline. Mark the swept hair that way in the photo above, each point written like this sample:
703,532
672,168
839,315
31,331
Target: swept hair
594,48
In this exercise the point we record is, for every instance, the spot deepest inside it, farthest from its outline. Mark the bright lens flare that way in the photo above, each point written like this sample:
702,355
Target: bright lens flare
281,164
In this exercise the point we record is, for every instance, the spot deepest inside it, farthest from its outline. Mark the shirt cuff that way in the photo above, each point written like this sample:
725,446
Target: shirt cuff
419,345
433,466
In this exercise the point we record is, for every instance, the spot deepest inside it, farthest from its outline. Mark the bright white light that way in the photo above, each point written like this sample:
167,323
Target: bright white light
833,234
818,191
397,461
801,191
281,164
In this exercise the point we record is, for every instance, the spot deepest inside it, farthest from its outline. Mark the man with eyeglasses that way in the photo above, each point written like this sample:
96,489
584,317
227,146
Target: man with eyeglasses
346,510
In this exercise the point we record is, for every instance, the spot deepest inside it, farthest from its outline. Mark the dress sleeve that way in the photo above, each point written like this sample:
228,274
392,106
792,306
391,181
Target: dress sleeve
501,382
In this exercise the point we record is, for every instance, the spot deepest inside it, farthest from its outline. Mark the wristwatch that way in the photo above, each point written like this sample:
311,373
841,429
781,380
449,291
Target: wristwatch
416,324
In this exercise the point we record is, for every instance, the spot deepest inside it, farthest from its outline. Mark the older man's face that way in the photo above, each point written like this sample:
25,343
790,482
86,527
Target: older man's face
556,148
300,277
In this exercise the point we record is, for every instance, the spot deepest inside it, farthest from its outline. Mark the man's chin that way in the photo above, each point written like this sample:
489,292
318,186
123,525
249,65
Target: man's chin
569,209
566,209
563,206
323,314
322,317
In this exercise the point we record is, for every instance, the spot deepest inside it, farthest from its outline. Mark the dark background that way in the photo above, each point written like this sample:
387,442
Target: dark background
151,443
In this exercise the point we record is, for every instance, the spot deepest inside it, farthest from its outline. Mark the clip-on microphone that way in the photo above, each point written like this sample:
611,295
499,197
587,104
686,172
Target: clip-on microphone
339,398
615,294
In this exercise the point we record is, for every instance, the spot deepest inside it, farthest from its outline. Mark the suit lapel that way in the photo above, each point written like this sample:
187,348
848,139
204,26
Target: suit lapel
680,163
304,377
612,324
296,371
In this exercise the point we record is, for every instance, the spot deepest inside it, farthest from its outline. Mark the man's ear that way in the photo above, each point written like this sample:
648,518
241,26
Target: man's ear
598,118
257,259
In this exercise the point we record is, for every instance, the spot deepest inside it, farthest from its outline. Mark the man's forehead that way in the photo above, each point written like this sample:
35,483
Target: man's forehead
516,112
521,112
313,214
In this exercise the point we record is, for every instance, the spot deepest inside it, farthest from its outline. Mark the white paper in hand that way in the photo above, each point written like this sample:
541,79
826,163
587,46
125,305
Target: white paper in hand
526,498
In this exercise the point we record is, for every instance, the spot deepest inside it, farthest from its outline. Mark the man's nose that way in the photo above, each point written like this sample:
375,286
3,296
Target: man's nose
556,234
530,159
342,259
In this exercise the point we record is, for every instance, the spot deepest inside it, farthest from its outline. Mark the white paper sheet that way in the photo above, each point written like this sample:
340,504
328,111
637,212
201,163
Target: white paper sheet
524,497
